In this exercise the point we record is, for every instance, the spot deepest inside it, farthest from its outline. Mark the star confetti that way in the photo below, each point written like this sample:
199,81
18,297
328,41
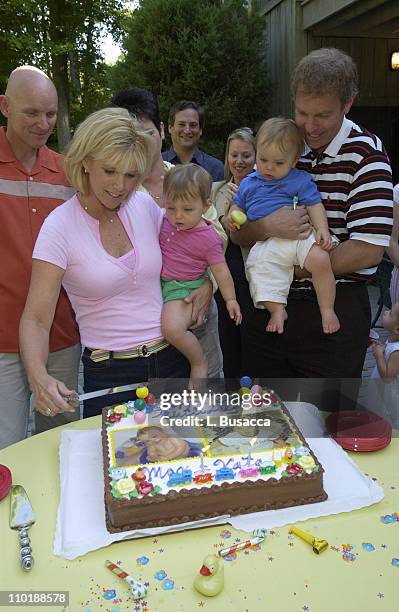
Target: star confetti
200,604
270,558
380,595
305,608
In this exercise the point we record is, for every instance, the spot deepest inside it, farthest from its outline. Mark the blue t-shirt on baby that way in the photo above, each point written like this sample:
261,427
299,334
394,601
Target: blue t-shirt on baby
259,197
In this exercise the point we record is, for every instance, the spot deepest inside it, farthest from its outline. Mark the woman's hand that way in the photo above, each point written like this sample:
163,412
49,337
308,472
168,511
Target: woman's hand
200,299
49,396
231,191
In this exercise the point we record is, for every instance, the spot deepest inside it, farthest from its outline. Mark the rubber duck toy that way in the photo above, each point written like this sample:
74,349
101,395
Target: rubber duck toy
210,580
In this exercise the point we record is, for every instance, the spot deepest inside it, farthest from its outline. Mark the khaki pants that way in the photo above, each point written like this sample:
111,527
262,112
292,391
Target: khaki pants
15,394
208,335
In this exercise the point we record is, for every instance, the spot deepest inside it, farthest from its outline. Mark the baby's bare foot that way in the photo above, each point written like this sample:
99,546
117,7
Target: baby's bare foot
276,321
330,321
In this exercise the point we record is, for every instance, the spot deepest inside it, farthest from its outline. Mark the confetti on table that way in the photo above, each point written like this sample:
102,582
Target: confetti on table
395,562
380,595
142,560
367,546
168,585
109,594
160,575
225,534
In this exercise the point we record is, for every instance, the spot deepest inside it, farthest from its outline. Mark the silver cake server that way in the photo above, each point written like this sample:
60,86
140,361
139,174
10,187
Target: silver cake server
22,518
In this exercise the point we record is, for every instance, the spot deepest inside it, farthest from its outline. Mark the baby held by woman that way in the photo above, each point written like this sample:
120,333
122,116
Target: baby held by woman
190,246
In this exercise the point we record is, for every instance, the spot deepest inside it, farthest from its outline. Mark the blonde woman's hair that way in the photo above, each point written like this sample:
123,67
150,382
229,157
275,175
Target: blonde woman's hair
186,182
284,133
113,136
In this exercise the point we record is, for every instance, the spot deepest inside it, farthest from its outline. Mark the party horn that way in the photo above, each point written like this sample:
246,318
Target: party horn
137,589
317,545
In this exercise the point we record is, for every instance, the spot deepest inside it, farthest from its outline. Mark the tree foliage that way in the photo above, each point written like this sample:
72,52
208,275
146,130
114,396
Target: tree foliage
63,38
211,51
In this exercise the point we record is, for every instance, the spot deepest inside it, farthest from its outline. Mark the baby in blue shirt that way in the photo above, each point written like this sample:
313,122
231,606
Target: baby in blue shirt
270,263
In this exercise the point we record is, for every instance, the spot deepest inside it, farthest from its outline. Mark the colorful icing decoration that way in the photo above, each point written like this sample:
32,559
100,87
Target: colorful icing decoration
182,478
160,575
368,546
117,473
307,462
144,488
249,472
294,469
114,418
267,467
120,409
395,562
256,395
224,473
288,456
150,399
301,451
203,478
157,489
139,475
140,416
140,404
142,392
125,486
246,381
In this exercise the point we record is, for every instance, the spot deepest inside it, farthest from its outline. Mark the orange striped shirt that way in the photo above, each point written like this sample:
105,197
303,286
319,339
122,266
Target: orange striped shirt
26,198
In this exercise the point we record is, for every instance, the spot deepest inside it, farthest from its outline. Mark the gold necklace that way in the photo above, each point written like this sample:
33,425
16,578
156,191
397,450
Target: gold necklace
155,197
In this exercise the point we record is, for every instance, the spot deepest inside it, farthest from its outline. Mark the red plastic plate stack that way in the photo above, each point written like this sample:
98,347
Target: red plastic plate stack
5,481
359,430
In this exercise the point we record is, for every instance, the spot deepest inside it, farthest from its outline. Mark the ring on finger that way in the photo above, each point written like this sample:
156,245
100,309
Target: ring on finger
49,412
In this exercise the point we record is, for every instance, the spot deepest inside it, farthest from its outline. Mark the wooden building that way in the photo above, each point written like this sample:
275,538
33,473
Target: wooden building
368,30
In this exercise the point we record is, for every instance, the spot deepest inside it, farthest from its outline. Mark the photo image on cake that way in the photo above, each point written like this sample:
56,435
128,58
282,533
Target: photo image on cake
150,444
243,438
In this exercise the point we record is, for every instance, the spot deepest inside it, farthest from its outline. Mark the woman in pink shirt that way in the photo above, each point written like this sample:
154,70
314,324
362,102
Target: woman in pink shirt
102,246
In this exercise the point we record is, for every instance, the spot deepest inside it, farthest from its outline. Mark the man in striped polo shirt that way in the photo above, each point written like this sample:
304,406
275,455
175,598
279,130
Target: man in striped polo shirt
32,184
353,175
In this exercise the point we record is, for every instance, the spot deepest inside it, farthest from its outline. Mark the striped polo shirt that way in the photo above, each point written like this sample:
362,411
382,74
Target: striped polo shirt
354,178
26,198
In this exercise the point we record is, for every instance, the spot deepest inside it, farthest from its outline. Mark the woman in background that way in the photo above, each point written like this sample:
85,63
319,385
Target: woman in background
239,162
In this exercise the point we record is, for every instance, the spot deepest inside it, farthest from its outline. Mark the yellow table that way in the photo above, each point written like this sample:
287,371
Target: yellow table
283,575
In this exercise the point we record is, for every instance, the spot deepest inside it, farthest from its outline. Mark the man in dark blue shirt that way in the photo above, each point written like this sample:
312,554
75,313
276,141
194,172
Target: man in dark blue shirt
185,124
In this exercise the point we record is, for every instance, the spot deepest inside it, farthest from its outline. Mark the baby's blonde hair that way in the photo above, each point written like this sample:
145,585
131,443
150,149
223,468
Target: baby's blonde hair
281,132
186,182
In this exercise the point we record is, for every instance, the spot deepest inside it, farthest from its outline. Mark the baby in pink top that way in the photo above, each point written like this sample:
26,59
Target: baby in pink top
190,245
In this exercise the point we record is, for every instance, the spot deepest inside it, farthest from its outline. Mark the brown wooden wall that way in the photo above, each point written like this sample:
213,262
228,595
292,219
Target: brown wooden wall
379,86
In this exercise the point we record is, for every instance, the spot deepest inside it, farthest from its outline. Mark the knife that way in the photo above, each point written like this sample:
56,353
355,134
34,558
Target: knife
22,518
75,399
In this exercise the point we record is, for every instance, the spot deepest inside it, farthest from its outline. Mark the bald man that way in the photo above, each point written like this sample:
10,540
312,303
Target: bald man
32,184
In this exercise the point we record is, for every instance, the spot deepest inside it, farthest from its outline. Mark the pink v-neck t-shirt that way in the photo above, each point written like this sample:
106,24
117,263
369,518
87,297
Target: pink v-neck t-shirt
117,301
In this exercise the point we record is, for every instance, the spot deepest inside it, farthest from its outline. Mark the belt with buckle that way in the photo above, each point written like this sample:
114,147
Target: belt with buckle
142,350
